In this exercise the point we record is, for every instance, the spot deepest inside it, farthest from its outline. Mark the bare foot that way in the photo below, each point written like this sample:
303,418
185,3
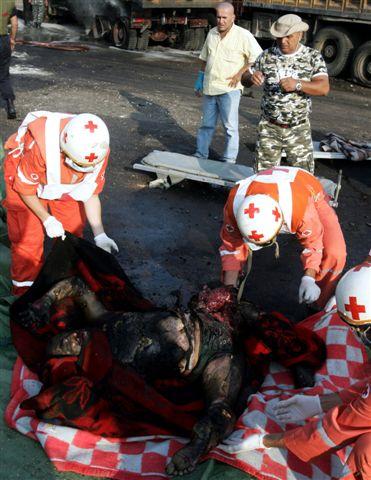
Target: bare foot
184,461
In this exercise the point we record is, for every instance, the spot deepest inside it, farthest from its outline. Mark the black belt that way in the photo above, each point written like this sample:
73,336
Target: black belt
285,125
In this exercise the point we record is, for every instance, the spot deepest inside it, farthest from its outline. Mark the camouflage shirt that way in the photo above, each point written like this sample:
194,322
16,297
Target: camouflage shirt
289,108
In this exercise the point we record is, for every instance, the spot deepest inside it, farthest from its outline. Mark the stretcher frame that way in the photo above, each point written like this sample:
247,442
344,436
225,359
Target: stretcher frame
168,175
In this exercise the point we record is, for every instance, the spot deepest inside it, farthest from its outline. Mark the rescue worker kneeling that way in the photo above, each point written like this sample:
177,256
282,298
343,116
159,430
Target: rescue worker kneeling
284,200
54,172
348,417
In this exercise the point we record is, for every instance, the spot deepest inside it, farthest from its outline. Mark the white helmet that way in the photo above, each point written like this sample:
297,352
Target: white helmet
85,140
353,295
259,219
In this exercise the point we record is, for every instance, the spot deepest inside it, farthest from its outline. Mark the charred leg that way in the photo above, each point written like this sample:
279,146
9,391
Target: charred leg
222,380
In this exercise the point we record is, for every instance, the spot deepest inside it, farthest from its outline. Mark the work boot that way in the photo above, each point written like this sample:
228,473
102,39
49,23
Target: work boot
10,108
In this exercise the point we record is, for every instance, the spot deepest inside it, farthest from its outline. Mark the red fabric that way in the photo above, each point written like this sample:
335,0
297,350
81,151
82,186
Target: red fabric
26,233
133,458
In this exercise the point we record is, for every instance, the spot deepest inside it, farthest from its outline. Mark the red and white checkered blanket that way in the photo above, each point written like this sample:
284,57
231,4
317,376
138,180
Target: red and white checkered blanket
134,458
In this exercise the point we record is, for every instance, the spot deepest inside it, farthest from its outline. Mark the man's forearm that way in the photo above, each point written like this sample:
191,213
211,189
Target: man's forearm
316,87
34,204
202,65
14,27
93,212
230,277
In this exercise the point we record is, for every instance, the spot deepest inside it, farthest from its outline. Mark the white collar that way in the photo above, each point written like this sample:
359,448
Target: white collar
291,54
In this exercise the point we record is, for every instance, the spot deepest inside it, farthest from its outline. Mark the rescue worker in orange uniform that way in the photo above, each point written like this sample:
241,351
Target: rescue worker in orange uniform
284,200
54,172
348,417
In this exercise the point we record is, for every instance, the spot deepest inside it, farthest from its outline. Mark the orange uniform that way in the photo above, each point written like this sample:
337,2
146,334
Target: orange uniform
35,166
342,425
307,214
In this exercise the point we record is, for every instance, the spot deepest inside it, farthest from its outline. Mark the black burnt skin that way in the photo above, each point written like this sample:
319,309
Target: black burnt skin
192,345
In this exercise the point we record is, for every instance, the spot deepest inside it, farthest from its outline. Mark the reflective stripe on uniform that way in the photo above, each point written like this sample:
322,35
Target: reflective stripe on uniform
226,252
23,178
324,437
22,284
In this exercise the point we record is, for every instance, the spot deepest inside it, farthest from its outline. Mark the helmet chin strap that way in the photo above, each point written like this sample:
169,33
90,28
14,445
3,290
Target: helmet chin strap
78,168
277,249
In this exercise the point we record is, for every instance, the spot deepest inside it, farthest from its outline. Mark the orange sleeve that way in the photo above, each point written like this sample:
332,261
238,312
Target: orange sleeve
348,394
31,168
310,235
101,178
233,250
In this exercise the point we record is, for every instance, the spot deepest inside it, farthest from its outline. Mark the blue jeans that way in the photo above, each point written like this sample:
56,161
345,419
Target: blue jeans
225,106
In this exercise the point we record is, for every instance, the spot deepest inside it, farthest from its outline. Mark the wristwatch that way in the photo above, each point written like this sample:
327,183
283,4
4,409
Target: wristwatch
298,87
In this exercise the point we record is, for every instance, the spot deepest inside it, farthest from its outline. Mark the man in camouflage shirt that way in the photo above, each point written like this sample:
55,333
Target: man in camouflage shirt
290,73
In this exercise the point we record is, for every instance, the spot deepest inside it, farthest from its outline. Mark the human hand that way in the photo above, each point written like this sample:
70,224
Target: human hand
12,43
298,408
309,291
288,84
106,243
199,83
234,80
235,443
330,304
54,228
257,78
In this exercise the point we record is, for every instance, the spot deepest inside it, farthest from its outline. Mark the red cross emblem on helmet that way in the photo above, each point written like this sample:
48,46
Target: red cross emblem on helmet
85,140
259,218
353,296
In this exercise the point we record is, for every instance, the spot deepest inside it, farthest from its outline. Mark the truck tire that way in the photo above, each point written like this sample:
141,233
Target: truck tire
188,39
143,40
199,38
336,45
133,39
361,65
119,34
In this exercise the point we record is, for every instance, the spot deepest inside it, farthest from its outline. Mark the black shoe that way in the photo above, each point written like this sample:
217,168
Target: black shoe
10,108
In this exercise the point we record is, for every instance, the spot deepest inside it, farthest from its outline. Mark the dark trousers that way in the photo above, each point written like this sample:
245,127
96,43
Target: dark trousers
5,56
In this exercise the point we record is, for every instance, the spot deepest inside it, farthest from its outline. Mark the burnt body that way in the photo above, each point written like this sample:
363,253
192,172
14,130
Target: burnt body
191,346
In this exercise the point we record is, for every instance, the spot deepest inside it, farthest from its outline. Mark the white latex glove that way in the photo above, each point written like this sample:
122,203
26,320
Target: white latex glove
106,243
330,304
298,408
54,228
309,291
235,443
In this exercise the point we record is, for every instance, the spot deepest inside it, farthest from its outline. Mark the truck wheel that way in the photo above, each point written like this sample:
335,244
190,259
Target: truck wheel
119,34
188,39
199,38
336,45
143,40
133,39
361,66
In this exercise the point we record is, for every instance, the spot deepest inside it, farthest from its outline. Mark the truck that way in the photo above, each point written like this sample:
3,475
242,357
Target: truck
339,29
132,24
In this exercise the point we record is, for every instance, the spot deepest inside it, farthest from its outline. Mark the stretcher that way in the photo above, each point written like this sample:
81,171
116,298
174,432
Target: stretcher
172,168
